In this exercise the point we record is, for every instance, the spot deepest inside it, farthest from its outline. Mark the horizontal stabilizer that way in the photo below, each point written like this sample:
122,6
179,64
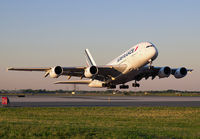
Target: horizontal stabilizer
74,82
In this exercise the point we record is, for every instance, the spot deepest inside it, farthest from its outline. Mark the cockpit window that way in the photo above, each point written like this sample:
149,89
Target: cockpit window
149,46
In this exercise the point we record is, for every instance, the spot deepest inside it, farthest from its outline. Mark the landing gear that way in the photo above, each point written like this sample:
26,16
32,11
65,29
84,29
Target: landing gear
150,64
136,84
123,86
109,86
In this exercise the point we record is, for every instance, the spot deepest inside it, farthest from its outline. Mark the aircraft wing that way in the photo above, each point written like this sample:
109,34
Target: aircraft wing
174,70
147,72
104,72
29,69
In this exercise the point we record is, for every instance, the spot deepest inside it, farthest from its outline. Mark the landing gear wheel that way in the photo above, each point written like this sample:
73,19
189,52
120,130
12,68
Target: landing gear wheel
136,84
123,86
112,87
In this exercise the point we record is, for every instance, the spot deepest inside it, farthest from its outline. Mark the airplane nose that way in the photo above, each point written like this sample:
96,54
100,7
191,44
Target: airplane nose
154,53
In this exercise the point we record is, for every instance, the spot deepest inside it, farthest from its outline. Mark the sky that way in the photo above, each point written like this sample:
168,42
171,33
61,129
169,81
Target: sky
48,33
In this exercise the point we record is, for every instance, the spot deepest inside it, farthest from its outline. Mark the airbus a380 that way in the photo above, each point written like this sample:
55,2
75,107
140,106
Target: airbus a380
133,65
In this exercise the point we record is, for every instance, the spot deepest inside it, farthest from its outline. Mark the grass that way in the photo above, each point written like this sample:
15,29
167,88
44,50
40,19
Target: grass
100,122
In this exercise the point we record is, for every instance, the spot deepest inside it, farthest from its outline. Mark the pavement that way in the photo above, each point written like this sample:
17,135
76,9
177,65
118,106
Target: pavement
105,101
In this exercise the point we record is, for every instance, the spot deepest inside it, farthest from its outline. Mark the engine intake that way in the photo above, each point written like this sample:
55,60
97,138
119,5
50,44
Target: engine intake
180,73
56,72
164,72
93,70
90,71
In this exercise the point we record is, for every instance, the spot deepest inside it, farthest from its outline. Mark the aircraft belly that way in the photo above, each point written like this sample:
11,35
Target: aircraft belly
135,63
126,77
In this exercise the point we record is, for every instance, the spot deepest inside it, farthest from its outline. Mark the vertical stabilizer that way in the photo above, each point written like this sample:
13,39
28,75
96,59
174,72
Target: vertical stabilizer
89,58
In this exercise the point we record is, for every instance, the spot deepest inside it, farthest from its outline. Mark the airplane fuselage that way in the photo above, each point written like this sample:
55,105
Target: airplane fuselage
135,58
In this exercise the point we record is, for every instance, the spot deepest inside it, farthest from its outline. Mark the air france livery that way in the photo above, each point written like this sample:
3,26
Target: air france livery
133,65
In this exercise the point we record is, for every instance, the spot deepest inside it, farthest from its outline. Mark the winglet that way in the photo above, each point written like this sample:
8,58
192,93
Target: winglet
89,57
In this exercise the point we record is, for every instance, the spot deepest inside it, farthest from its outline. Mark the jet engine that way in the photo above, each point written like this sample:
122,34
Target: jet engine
90,71
56,72
180,73
164,72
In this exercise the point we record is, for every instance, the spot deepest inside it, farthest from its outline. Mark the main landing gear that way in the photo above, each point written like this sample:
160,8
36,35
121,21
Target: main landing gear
126,86
109,86
123,86
136,84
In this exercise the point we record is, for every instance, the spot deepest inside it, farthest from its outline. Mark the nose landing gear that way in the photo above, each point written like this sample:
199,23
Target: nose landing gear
150,64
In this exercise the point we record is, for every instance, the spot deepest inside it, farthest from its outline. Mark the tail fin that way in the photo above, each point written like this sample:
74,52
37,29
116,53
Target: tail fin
89,58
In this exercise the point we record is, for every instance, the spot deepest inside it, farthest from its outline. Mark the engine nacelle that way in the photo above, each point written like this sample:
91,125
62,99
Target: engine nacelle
180,73
164,72
90,71
56,72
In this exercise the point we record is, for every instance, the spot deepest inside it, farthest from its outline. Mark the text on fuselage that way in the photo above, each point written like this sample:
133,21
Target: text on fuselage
127,54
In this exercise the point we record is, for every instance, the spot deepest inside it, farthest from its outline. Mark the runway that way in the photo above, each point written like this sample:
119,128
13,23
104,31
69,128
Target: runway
106,101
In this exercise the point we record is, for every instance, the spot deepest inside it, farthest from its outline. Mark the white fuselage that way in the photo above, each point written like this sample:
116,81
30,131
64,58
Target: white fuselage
137,56
134,59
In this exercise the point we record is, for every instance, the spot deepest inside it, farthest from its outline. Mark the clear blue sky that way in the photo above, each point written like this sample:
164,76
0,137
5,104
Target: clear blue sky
47,33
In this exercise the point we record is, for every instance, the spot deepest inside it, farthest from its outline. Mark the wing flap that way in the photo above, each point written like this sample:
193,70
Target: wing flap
103,71
74,82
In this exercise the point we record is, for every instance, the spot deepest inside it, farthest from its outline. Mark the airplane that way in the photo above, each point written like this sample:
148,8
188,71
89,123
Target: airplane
133,65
